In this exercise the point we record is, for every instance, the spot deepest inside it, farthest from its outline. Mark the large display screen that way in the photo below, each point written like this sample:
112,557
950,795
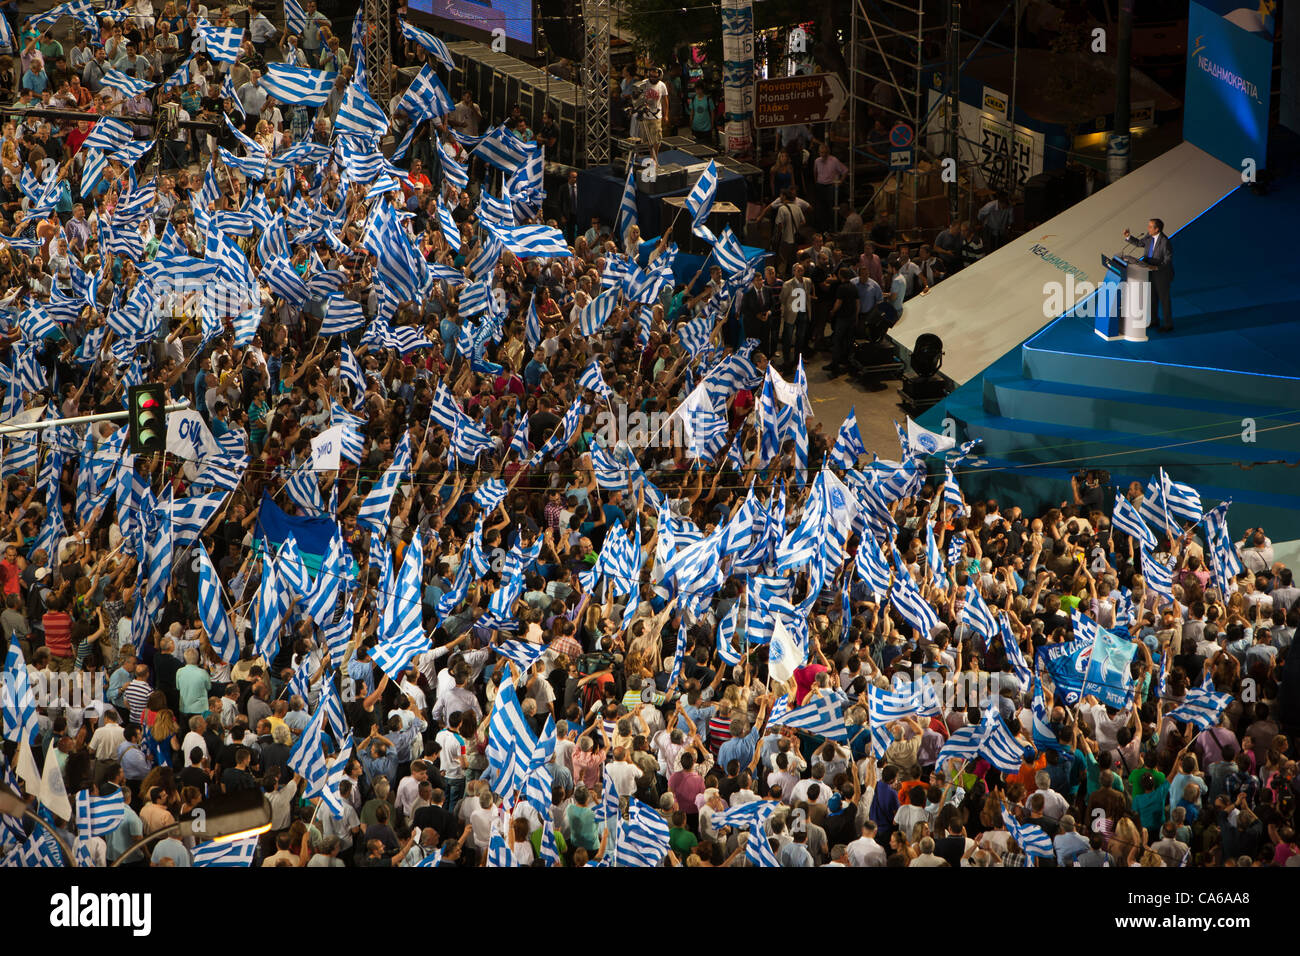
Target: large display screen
480,20
1225,109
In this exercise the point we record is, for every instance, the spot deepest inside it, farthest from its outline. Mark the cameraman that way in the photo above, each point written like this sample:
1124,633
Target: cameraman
1089,495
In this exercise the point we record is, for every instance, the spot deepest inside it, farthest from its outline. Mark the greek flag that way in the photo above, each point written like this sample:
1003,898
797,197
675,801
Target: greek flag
1157,575
341,315
212,609
452,171
232,853
699,203
335,570
523,653
222,43
17,701
503,149
531,241
109,135
1015,657
128,85
490,494
295,17
401,627
934,558
728,252
727,631
822,716
191,515
1126,518
7,41
281,278
975,614
429,42
272,604
1201,708
642,837
752,816
597,312
1030,837
952,496
1043,733
912,606
1224,559
510,743
297,86
564,433
593,380
848,443
627,203
359,115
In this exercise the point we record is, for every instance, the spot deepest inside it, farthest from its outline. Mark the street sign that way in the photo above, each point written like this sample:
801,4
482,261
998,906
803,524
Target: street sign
791,100
900,159
901,136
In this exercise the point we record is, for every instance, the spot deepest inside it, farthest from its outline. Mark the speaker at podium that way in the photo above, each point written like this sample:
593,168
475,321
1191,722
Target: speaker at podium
722,214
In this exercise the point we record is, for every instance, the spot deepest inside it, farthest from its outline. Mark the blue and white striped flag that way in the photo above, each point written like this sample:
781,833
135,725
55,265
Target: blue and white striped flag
952,496
1224,559
1157,575
429,42
627,203
272,605
643,838
699,202
914,608
359,115
822,716
297,85
848,443
728,252
504,150
1030,837
1015,657
490,494
1201,708
341,315
191,515
109,134
226,853
1126,518
592,379
212,610
597,312
401,627
17,701
128,85
975,613
221,43
933,557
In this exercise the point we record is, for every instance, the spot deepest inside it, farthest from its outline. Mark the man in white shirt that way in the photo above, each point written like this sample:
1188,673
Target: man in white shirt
656,101
408,791
865,851
623,773
107,737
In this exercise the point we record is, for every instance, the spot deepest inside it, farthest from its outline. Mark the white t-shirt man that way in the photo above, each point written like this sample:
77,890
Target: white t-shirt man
865,852
656,95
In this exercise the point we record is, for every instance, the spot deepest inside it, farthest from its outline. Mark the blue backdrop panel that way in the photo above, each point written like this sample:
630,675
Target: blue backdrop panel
1225,108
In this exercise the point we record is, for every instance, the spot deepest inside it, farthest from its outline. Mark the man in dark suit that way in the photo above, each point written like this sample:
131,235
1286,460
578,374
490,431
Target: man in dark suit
569,206
435,815
755,310
1158,251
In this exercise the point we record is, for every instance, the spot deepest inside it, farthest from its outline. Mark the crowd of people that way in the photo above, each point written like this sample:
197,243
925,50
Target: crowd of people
518,645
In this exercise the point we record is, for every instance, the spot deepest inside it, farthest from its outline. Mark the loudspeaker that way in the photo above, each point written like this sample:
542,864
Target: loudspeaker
561,23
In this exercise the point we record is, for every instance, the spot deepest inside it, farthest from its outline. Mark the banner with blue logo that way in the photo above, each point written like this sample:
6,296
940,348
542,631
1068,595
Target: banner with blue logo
1066,665
1108,677
1225,108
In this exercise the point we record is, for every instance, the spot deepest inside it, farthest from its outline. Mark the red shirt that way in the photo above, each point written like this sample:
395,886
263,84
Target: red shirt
804,679
58,633
9,577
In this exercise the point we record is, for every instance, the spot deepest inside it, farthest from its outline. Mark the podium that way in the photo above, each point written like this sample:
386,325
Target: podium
1123,299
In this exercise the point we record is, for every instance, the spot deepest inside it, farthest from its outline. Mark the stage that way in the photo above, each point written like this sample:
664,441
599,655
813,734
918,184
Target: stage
1217,401
600,191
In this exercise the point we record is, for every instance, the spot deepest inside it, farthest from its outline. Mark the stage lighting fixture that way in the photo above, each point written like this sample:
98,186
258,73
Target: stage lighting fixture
927,357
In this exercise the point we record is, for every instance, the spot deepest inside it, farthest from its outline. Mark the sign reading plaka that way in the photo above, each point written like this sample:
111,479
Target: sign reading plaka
791,100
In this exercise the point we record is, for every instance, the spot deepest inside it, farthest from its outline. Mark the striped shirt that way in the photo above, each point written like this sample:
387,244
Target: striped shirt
136,697
719,732
58,633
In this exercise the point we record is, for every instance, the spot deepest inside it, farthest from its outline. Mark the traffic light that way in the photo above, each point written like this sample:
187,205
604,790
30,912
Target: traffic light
148,419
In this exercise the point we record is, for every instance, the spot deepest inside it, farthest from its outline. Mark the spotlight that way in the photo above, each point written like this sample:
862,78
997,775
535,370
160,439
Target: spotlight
927,357
925,386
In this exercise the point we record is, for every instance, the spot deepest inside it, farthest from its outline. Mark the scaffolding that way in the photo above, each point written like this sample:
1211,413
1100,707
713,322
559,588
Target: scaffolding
594,114
379,50
900,53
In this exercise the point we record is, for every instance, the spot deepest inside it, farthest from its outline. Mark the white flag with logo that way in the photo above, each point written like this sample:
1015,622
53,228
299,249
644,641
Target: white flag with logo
188,436
926,442
325,449
783,654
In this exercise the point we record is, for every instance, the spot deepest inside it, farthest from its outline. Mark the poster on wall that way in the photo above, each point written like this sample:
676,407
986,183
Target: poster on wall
983,144
738,76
